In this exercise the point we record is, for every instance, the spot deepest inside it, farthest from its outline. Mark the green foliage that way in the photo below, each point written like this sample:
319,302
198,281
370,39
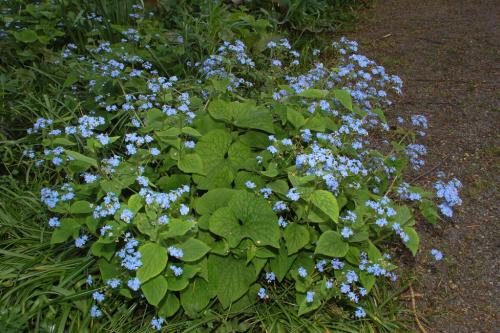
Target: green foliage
230,236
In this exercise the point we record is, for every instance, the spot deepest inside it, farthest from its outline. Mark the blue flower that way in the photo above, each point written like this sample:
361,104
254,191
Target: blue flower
310,296
98,297
293,195
262,293
282,222
134,284
95,312
302,272
266,192
184,210
270,277
360,313
114,283
177,270
127,215
157,323
346,232
80,241
250,184
175,252
54,222
438,255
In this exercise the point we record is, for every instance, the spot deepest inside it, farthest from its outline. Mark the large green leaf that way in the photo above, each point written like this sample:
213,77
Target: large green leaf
82,158
344,97
26,36
154,259
229,277
327,203
296,237
155,289
213,149
331,244
246,114
213,200
195,297
193,249
247,216
414,240
191,163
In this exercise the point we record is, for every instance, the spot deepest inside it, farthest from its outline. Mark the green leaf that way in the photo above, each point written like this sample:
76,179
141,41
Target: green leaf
344,98
176,227
69,227
105,250
154,260
281,264
221,110
26,36
229,277
193,249
169,306
305,307
81,207
247,216
135,203
195,297
326,202
246,114
155,289
331,244
295,118
191,163
314,93
213,200
429,211
414,240
82,158
212,148
296,237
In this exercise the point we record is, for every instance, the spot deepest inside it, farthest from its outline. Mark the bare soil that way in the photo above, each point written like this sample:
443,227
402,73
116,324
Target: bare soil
447,53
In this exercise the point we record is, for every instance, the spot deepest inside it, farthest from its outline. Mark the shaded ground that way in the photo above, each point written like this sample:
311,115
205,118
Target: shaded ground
447,54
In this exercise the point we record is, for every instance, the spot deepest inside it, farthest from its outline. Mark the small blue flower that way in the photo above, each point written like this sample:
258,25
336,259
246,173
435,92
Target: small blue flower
98,297
262,293
134,284
54,222
80,241
346,232
302,272
184,210
157,323
175,252
293,195
438,255
127,215
177,270
95,312
249,184
310,296
360,313
154,151
114,283
270,277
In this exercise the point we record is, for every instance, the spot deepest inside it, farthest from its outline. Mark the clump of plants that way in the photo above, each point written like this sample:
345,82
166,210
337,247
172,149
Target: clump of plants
242,174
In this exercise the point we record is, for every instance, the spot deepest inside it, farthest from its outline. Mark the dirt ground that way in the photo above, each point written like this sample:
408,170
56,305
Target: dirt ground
447,53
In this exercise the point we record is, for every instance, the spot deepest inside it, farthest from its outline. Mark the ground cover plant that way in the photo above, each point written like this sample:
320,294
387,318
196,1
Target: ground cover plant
184,179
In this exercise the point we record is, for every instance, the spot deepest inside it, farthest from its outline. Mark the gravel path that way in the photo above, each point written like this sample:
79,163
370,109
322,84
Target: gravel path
447,54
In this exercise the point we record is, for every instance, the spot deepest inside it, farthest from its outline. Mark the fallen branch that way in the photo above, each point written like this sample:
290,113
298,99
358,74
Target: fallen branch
414,307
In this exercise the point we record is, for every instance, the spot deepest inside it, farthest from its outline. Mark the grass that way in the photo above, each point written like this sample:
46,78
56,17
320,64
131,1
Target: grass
42,285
